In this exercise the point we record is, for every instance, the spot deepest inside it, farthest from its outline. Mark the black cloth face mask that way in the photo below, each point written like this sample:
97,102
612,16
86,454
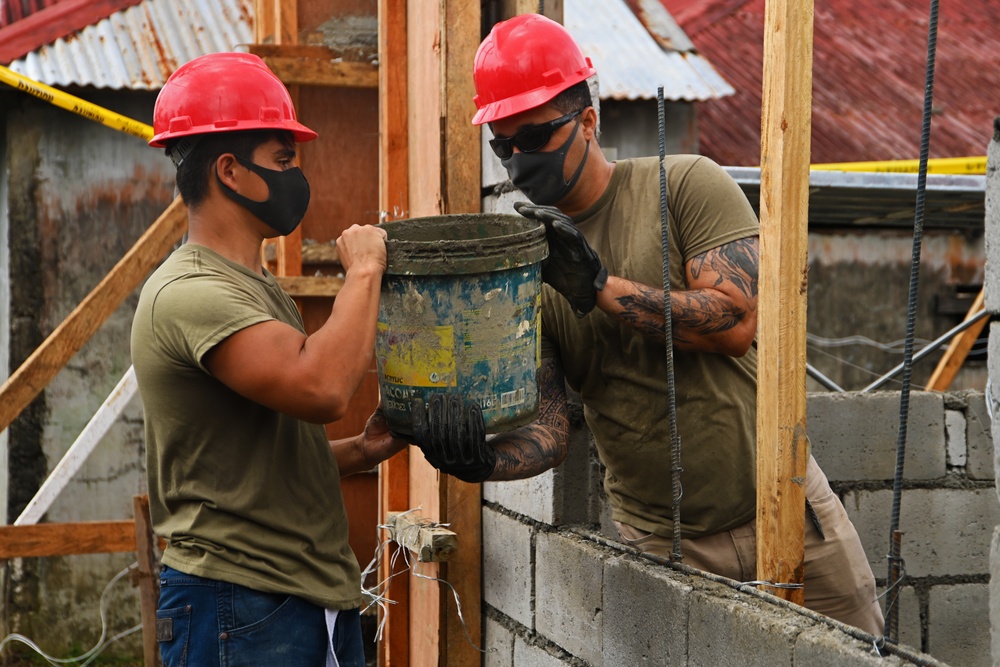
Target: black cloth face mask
540,175
287,200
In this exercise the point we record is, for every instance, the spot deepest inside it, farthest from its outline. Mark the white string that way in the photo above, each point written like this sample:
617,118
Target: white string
92,654
379,593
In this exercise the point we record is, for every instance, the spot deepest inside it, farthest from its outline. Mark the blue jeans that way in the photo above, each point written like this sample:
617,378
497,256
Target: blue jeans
209,623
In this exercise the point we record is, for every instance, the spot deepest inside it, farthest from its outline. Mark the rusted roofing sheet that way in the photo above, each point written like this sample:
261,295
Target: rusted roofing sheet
868,77
625,46
139,47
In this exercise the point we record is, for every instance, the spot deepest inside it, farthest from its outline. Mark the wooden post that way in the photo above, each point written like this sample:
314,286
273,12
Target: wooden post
394,474
782,444
45,362
148,579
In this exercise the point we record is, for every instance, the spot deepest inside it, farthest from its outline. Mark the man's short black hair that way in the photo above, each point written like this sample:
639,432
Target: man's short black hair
574,98
198,164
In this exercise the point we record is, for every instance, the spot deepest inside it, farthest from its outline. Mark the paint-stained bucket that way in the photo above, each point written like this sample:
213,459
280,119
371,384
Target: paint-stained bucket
460,313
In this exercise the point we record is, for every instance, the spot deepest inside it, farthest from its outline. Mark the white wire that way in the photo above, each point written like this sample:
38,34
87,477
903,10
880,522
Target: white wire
92,654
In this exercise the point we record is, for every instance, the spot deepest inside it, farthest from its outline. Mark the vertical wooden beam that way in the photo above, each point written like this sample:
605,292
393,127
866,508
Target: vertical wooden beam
394,474
149,582
782,444
462,166
553,9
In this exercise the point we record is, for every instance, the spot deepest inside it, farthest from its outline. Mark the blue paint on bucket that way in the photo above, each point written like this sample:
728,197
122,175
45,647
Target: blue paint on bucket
460,312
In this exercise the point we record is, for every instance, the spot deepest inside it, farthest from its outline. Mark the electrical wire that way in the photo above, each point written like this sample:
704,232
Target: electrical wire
92,654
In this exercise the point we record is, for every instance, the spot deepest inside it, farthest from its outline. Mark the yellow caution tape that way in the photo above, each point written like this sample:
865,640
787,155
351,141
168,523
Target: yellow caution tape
944,165
75,104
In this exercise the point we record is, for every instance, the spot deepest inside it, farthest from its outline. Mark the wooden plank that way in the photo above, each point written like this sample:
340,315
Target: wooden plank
393,157
553,9
45,362
148,578
782,445
318,69
428,541
65,539
462,184
312,253
263,24
310,286
949,365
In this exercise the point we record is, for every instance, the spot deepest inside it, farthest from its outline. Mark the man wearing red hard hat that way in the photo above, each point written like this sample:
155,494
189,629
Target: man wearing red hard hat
243,484
603,329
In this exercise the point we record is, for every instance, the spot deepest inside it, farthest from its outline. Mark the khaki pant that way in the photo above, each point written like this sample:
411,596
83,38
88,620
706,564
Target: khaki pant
839,582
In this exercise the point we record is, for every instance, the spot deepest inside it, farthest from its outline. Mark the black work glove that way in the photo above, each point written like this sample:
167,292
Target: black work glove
451,434
572,267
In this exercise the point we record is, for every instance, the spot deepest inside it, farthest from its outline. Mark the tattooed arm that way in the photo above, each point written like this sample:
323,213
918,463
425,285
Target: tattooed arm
716,313
542,444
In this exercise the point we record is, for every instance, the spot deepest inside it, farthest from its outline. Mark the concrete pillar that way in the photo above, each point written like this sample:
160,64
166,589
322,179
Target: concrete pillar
992,288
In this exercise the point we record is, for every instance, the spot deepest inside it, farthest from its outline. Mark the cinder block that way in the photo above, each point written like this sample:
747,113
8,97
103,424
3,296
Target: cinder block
992,238
507,566
726,629
854,435
569,583
827,647
910,632
955,439
995,595
979,439
958,625
526,655
566,494
499,645
946,532
635,592
493,171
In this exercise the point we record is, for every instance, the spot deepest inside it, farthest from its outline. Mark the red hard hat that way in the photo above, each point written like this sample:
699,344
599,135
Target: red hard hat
223,92
523,63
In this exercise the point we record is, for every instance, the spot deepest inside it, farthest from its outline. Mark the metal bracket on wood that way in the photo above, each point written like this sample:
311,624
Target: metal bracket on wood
427,540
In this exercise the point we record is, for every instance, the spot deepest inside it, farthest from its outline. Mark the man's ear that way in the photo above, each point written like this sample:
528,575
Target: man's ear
225,168
589,123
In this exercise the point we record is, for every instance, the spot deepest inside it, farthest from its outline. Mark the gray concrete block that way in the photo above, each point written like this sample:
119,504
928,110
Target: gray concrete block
726,629
958,625
526,655
499,645
854,434
645,614
979,439
828,647
955,439
946,532
992,240
910,629
995,595
533,497
569,604
507,566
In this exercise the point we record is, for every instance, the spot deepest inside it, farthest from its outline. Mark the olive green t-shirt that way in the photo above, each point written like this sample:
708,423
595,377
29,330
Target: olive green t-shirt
240,492
621,374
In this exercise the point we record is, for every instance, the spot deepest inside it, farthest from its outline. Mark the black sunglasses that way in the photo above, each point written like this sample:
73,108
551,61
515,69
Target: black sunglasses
530,138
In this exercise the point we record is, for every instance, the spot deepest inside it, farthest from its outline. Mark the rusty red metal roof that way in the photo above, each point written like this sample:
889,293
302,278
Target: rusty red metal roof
869,62
26,25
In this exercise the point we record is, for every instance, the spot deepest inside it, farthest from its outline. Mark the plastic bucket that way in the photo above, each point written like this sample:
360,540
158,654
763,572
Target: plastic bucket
460,313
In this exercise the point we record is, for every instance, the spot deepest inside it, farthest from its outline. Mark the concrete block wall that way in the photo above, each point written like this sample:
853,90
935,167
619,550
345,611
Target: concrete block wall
558,590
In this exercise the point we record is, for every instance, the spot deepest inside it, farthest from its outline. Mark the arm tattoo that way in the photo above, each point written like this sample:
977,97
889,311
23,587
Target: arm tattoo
699,311
544,443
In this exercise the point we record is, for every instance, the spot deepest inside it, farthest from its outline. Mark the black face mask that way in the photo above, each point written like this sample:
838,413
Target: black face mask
287,200
540,175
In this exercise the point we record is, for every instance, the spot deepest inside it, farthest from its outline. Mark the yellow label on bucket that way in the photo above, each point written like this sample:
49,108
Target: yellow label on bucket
419,356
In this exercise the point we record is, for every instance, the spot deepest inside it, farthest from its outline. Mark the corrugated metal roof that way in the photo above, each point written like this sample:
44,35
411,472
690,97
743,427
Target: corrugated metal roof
15,10
630,63
138,48
845,199
869,60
